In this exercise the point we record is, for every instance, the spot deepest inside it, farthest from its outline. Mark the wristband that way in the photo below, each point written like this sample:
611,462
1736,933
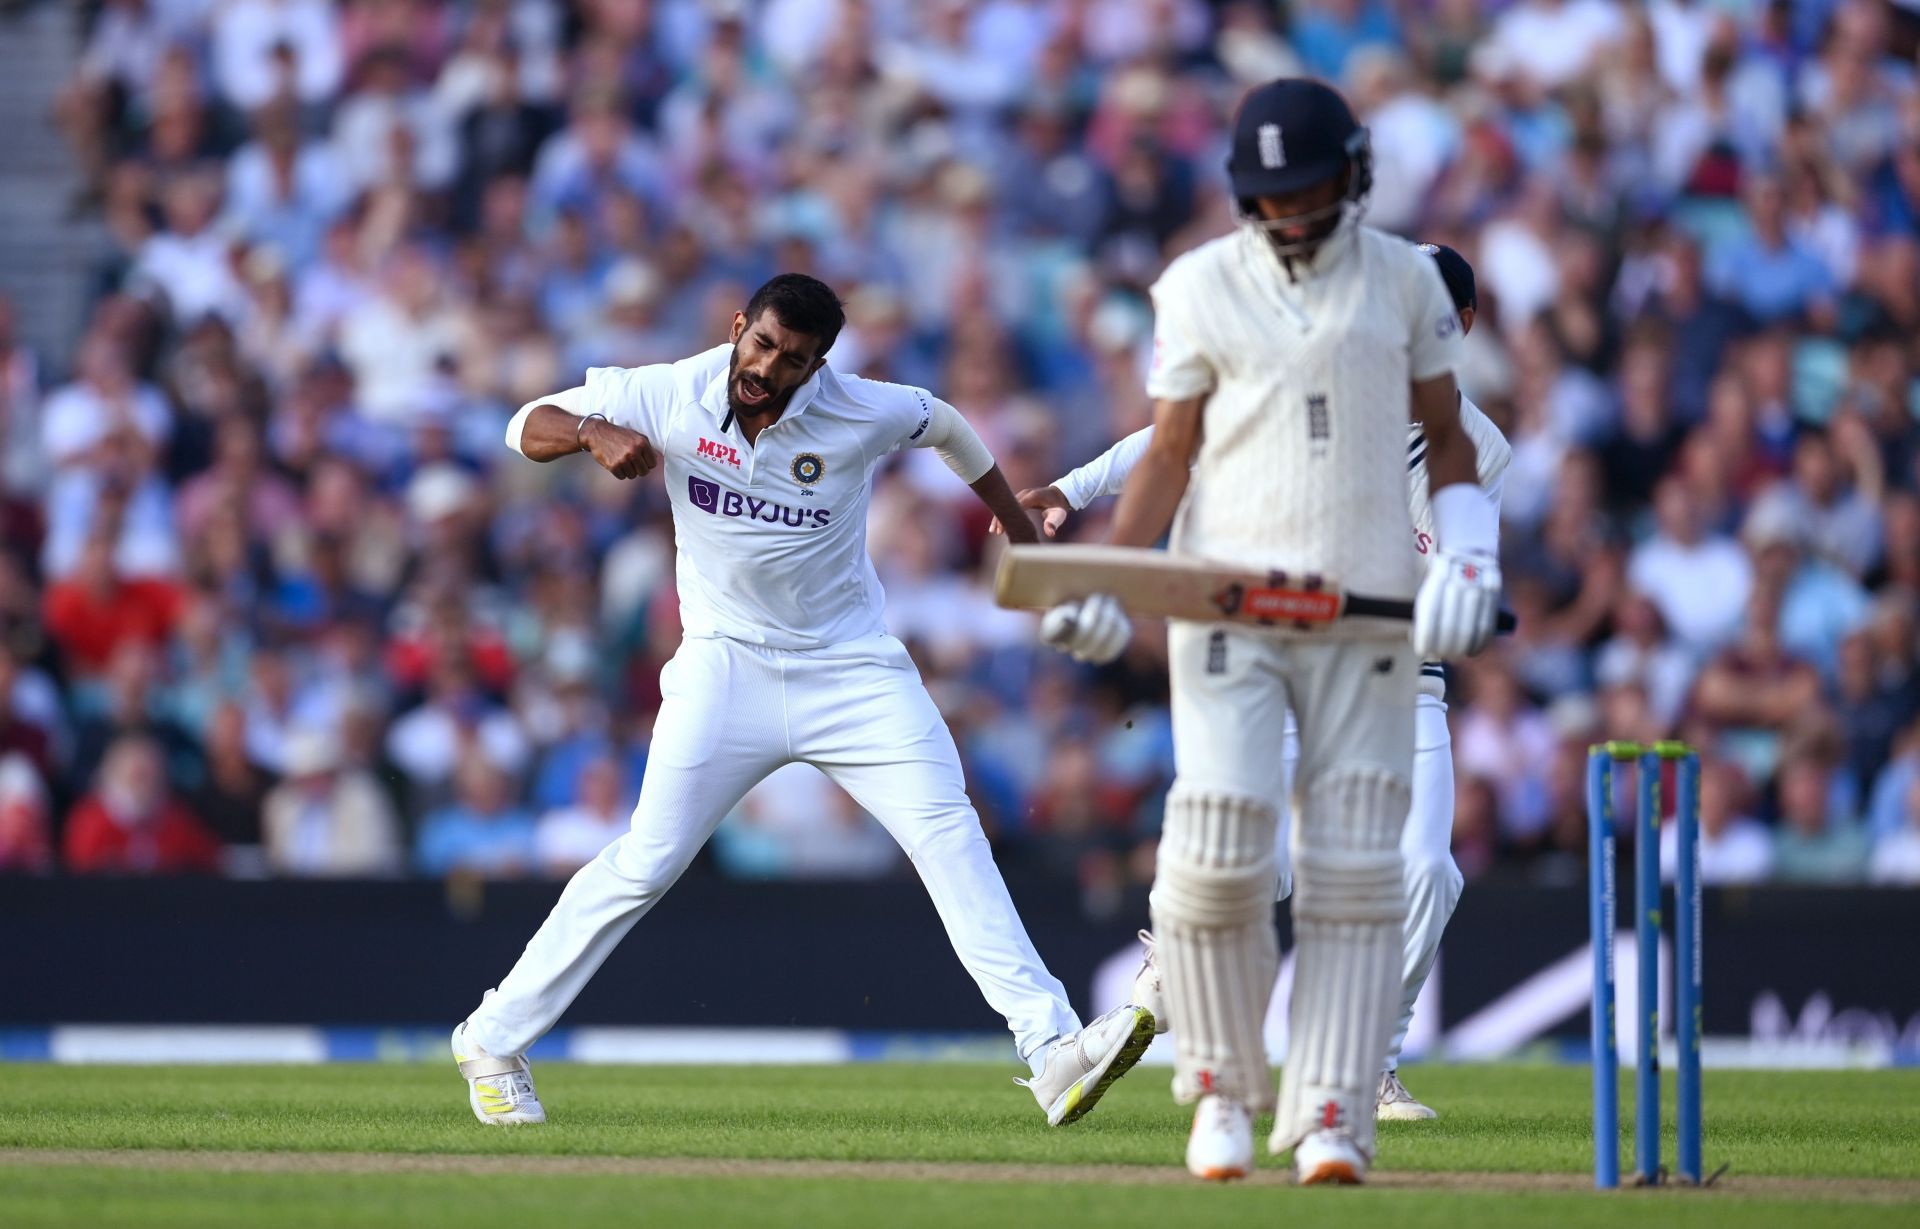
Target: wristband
1466,520
583,425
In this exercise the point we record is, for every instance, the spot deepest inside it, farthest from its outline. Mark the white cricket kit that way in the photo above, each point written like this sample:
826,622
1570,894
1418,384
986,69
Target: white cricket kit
1304,384
1306,411
1434,882
784,660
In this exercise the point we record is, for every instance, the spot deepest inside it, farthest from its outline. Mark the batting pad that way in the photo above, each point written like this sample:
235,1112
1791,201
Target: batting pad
1349,915
1219,954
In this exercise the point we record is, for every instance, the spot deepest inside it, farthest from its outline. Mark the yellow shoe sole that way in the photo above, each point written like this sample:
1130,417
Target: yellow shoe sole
1078,1101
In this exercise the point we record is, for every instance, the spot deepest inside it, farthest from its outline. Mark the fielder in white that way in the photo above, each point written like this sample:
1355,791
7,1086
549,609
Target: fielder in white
1289,358
1433,879
769,457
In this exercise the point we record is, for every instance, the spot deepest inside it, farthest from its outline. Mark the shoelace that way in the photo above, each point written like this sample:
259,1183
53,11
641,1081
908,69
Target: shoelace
1146,937
518,1086
1224,1113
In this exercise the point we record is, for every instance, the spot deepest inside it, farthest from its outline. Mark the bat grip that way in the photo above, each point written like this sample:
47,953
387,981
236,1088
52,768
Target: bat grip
1393,608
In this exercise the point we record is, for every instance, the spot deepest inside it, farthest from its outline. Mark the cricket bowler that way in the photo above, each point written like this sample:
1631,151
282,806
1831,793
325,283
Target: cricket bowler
769,457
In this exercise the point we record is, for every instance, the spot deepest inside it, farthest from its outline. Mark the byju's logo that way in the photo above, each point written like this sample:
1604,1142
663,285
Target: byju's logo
718,452
716,500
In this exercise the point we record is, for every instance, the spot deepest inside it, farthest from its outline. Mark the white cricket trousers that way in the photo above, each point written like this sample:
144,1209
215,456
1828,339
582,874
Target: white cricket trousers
731,713
1434,881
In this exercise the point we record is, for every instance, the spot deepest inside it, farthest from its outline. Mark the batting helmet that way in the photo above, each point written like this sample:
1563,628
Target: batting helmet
1290,135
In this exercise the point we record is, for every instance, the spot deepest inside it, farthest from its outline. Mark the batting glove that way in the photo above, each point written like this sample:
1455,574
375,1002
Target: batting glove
1454,614
1094,629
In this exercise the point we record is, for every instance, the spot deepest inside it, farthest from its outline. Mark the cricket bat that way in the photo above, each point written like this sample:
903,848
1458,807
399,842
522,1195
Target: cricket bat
1152,582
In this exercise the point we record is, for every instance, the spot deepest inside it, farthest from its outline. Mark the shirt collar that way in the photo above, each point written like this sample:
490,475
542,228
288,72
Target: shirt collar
1327,256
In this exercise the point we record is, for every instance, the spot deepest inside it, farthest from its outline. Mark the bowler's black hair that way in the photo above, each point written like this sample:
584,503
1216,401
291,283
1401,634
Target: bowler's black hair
803,304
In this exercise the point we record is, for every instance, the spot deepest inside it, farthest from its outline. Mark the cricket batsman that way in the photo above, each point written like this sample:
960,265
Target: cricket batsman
1289,358
1433,878
769,456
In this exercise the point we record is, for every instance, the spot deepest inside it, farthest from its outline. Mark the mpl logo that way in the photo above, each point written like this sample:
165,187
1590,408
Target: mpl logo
722,453
716,500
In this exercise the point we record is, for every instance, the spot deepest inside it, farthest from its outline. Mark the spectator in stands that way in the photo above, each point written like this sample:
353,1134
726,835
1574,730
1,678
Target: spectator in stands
19,734
1641,652
403,342
231,798
1698,581
1871,708
386,131
1541,45
572,836
265,50
1819,604
132,825
1896,855
1507,741
238,479
189,263
326,819
597,154
23,467
106,397
1734,847
482,833
1836,499
26,834
1814,844
1327,33
1768,272
127,702
457,719
1754,691
283,190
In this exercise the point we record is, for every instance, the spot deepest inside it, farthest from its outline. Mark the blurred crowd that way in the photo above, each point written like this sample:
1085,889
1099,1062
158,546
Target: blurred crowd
274,599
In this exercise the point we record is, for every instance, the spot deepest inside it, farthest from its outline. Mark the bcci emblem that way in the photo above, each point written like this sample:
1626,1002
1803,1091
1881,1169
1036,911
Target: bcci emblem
808,469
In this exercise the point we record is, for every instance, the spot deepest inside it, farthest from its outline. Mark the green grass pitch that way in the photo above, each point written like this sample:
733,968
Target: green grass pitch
886,1145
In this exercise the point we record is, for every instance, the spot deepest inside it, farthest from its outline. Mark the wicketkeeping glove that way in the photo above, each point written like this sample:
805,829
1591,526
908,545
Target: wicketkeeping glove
1454,614
1093,629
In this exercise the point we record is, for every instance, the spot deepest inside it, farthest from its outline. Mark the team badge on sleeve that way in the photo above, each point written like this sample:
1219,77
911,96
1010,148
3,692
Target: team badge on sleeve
808,468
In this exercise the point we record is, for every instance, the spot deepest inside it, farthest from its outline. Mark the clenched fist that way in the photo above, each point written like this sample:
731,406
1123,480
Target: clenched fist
622,452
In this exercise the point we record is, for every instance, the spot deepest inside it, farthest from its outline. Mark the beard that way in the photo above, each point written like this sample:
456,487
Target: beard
774,400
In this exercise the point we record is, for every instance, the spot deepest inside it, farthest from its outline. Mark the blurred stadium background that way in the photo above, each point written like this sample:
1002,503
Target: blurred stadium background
311,694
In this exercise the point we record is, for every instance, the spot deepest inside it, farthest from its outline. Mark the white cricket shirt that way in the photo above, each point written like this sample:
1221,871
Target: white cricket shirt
770,538
1302,462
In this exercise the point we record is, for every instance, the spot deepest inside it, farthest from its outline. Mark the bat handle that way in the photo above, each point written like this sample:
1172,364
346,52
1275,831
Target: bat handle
1393,608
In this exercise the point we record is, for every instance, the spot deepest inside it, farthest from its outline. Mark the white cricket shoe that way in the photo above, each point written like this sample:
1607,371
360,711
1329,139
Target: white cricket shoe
499,1089
1220,1148
1329,1157
1394,1103
1079,1069
1148,990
